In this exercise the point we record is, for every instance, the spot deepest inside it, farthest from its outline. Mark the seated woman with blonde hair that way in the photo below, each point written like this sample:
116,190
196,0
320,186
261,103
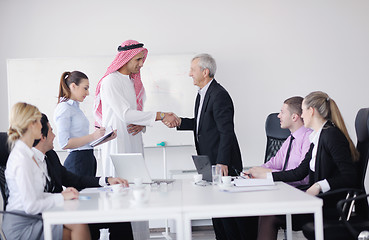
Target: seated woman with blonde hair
328,163
28,181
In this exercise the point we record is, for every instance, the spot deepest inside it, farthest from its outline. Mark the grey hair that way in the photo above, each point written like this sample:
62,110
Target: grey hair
206,61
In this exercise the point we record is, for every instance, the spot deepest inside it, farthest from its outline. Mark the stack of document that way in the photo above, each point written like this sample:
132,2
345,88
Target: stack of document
251,185
253,182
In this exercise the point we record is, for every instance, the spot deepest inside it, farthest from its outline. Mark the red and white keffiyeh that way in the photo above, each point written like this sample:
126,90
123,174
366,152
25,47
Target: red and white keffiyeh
120,60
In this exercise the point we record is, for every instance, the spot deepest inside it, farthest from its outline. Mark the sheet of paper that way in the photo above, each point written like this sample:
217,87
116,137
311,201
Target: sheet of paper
96,190
241,182
250,189
108,132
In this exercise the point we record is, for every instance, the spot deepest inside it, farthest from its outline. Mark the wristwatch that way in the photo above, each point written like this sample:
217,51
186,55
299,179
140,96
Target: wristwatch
162,115
106,181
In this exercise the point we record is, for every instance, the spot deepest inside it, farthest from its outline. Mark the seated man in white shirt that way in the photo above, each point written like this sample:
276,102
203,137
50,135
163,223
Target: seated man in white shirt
58,176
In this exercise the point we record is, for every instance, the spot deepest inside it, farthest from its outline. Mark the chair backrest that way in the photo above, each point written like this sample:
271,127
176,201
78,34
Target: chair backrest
4,149
362,133
4,154
275,135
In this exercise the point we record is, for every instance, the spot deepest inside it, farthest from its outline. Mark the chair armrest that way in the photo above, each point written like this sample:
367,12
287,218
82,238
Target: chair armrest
341,190
38,216
340,204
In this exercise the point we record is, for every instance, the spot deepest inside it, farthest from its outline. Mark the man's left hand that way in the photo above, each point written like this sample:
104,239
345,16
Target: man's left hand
223,169
134,129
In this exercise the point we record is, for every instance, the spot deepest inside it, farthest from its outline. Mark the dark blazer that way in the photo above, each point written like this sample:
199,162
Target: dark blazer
216,137
333,162
60,176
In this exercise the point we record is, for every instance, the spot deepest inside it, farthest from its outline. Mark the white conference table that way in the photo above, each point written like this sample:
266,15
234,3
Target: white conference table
209,202
164,203
183,201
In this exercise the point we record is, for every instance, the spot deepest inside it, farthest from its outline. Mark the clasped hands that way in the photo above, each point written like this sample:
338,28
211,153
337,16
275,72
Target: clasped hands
171,120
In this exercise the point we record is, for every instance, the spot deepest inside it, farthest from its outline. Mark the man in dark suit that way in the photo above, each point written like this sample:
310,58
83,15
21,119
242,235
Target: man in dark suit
213,125
59,176
214,135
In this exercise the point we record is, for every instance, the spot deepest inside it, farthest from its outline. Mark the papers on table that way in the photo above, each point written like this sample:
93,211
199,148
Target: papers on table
108,132
96,190
249,189
253,182
251,185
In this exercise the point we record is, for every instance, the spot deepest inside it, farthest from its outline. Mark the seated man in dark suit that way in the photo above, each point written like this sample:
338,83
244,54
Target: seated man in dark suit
58,176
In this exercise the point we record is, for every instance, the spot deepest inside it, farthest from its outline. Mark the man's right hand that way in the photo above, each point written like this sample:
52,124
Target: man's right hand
258,172
171,120
118,180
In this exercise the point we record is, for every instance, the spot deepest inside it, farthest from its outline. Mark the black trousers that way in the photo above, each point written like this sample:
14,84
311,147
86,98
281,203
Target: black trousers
236,228
119,230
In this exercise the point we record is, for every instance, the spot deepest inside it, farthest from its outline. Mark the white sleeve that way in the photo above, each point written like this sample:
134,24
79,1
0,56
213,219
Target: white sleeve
112,93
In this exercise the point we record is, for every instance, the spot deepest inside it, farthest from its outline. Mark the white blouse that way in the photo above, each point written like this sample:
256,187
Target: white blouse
26,183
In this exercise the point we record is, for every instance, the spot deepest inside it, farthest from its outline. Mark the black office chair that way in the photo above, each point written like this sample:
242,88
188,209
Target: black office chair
355,198
4,154
275,135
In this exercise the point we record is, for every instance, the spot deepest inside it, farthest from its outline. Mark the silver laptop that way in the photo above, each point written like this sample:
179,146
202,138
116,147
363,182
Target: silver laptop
132,165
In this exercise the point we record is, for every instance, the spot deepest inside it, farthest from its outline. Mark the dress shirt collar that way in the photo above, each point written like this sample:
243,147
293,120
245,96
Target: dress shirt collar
299,132
203,90
24,146
314,136
73,103
40,157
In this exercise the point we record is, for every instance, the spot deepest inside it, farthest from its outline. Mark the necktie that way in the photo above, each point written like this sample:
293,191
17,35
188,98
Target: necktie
288,153
49,186
197,104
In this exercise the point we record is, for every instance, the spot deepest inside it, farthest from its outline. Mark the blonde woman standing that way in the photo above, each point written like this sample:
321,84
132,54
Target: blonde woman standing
27,182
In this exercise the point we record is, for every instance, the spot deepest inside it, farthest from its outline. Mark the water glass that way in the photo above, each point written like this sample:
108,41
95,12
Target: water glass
216,174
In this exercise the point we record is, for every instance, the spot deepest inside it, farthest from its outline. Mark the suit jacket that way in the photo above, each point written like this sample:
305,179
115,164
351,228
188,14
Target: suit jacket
60,176
333,162
216,137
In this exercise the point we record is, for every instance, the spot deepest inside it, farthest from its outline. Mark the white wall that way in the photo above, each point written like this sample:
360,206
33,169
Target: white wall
266,50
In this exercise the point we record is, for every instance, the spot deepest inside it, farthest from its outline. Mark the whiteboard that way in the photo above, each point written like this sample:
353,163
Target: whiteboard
165,78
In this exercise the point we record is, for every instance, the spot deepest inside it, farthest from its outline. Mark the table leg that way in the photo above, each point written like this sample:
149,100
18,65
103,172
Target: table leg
187,230
318,224
289,226
47,230
179,228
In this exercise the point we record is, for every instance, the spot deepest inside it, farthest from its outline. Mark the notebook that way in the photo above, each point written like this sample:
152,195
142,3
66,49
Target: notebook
108,132
132,165
203,166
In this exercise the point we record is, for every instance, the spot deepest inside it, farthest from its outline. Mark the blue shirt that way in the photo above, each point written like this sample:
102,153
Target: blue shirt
71,122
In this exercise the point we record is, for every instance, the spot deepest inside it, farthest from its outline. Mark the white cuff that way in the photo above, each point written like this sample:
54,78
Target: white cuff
58,199
324,185
102,182
269,176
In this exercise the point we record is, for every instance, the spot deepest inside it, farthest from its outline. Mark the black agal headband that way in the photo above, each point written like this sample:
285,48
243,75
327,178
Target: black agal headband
129,47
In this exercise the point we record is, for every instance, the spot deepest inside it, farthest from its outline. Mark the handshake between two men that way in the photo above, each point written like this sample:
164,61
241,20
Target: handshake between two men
170,119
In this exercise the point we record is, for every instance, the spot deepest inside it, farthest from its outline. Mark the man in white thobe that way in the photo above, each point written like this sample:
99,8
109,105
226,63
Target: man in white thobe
119,103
